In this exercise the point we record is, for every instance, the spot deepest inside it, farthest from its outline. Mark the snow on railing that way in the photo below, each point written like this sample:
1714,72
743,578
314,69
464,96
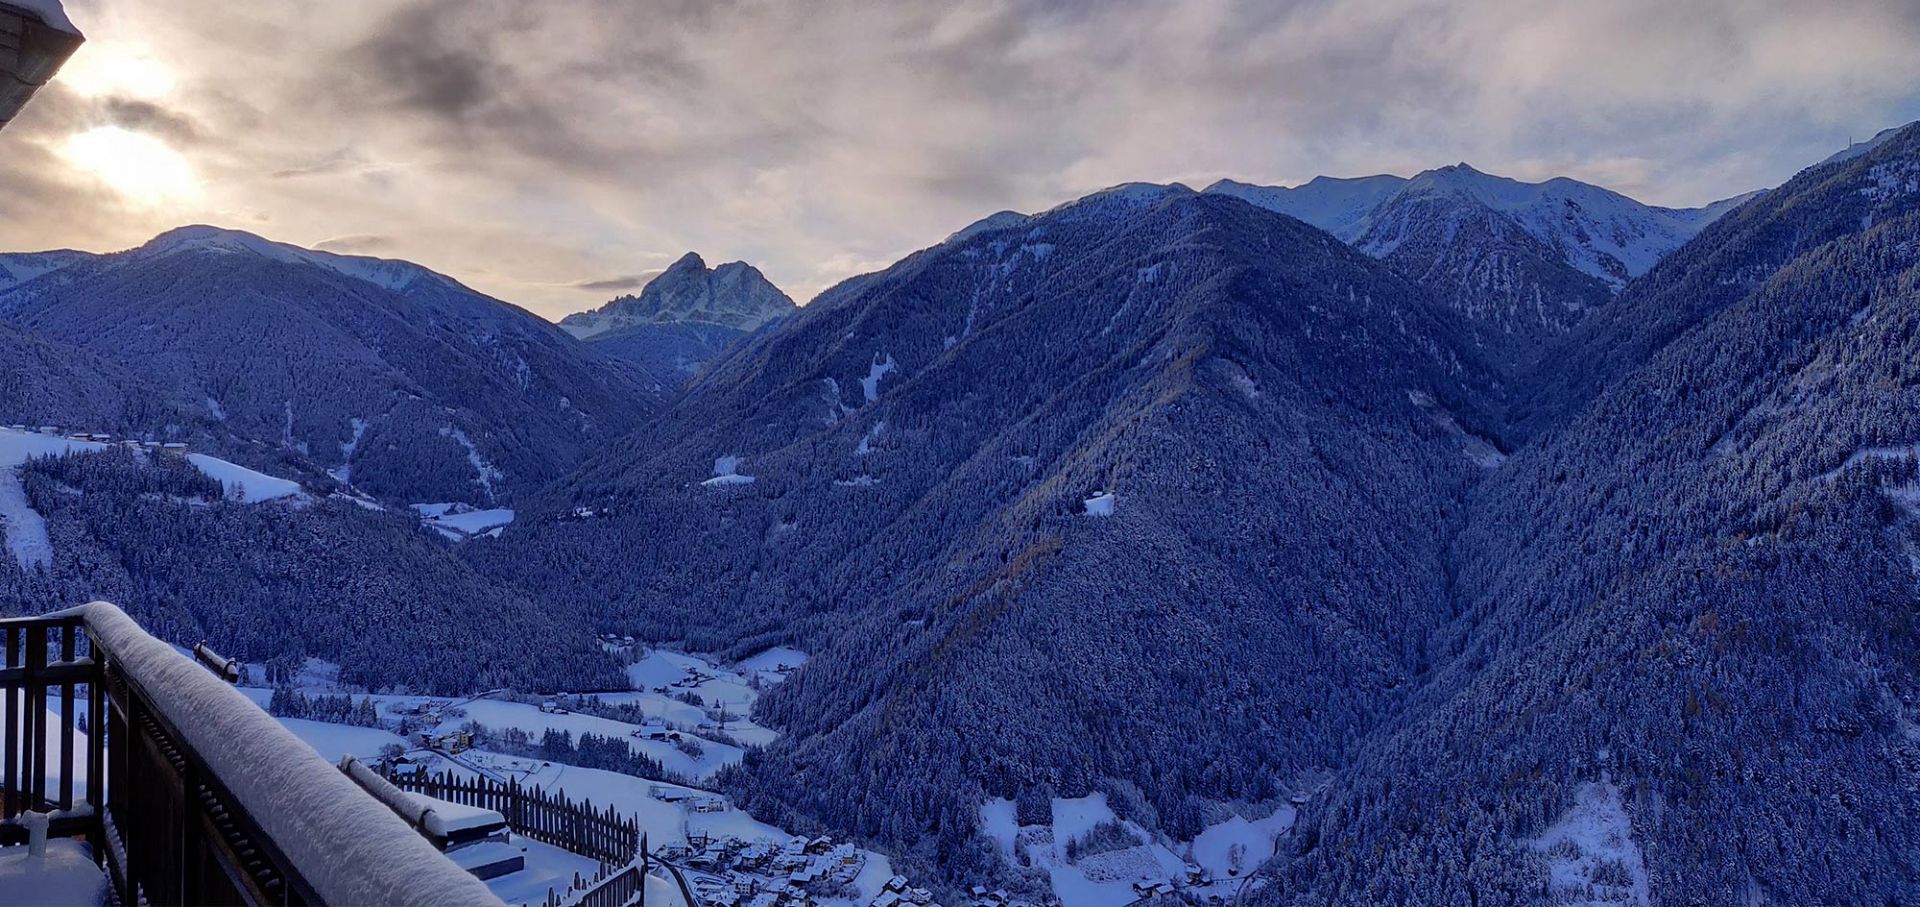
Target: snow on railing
349,847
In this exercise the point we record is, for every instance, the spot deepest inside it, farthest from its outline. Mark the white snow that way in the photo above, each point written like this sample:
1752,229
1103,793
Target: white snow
17,447
1099,880
1101,504
50,752
353,848
63,876
459,521
383,273
726,471
774,659
449,817
876,371
344,473
26,530
547,868
214,409
1595,833
332,741
482,470
1236,847
243,484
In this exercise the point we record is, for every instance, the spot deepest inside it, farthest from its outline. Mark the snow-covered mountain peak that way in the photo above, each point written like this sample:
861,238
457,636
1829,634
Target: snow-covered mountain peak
1594,230
734,295
205,239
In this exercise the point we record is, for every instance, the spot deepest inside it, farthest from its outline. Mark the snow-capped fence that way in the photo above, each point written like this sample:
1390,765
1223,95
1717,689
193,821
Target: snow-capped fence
551,818
613,887
187,792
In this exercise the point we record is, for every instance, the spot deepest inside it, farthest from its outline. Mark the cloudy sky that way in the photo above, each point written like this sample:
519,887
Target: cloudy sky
555,152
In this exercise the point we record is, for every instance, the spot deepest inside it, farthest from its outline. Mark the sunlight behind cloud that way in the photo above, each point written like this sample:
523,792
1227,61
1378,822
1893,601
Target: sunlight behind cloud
118,70
140,167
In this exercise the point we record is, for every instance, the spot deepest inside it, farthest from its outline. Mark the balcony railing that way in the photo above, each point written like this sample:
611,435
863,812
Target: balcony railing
187,791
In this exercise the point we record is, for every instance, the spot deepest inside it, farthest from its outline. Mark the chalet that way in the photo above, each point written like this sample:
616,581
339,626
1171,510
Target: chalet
552,707
673,852
174,449
709,804
654,730
819,845
920,896
668,794
896,884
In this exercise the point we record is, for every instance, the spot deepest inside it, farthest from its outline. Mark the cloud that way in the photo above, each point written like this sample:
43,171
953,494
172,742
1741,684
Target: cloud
357,244
517,146
620,284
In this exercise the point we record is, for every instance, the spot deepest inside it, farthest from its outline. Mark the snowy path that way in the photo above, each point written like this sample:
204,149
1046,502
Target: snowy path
26,529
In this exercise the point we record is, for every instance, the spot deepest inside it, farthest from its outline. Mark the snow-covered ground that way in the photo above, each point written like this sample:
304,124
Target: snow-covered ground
880,368
548,868
1592,860
726,471
665,675
1227,851
1101,504
332,741
26,529
64,876
243,484
459,522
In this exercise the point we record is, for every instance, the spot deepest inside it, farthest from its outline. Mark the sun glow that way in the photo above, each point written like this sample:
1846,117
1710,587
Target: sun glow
138,166
117,70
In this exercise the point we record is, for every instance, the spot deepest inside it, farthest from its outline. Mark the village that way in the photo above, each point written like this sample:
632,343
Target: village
559,827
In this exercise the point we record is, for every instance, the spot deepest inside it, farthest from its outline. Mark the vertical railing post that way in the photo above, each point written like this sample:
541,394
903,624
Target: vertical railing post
36,742
67,717
119,797
11,709
97,722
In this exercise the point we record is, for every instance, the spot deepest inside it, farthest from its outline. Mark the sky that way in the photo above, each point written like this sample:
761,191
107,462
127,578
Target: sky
555,153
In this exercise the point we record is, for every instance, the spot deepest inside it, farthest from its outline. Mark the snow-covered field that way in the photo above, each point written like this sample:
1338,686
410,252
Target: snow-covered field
26,529
1225,853
459,522
243,484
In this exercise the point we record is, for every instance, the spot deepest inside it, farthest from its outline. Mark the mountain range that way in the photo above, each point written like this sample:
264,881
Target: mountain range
394,378
1536,545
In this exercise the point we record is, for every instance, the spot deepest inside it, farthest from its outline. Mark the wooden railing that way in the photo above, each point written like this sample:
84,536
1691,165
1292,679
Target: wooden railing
551,818
624,886
192,794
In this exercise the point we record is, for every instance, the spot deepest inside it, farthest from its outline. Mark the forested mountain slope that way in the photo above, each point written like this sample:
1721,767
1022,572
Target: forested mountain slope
283,580
1688,612
410,384
43,382
911,479
1725,264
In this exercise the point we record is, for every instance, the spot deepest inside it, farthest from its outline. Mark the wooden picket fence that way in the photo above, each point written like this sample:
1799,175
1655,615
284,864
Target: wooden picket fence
613,887
550,818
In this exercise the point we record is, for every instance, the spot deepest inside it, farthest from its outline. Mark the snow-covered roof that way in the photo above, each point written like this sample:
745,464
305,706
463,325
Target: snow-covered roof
349,846
48,12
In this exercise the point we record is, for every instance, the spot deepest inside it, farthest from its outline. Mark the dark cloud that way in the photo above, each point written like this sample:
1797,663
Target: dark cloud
619,284
148,116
